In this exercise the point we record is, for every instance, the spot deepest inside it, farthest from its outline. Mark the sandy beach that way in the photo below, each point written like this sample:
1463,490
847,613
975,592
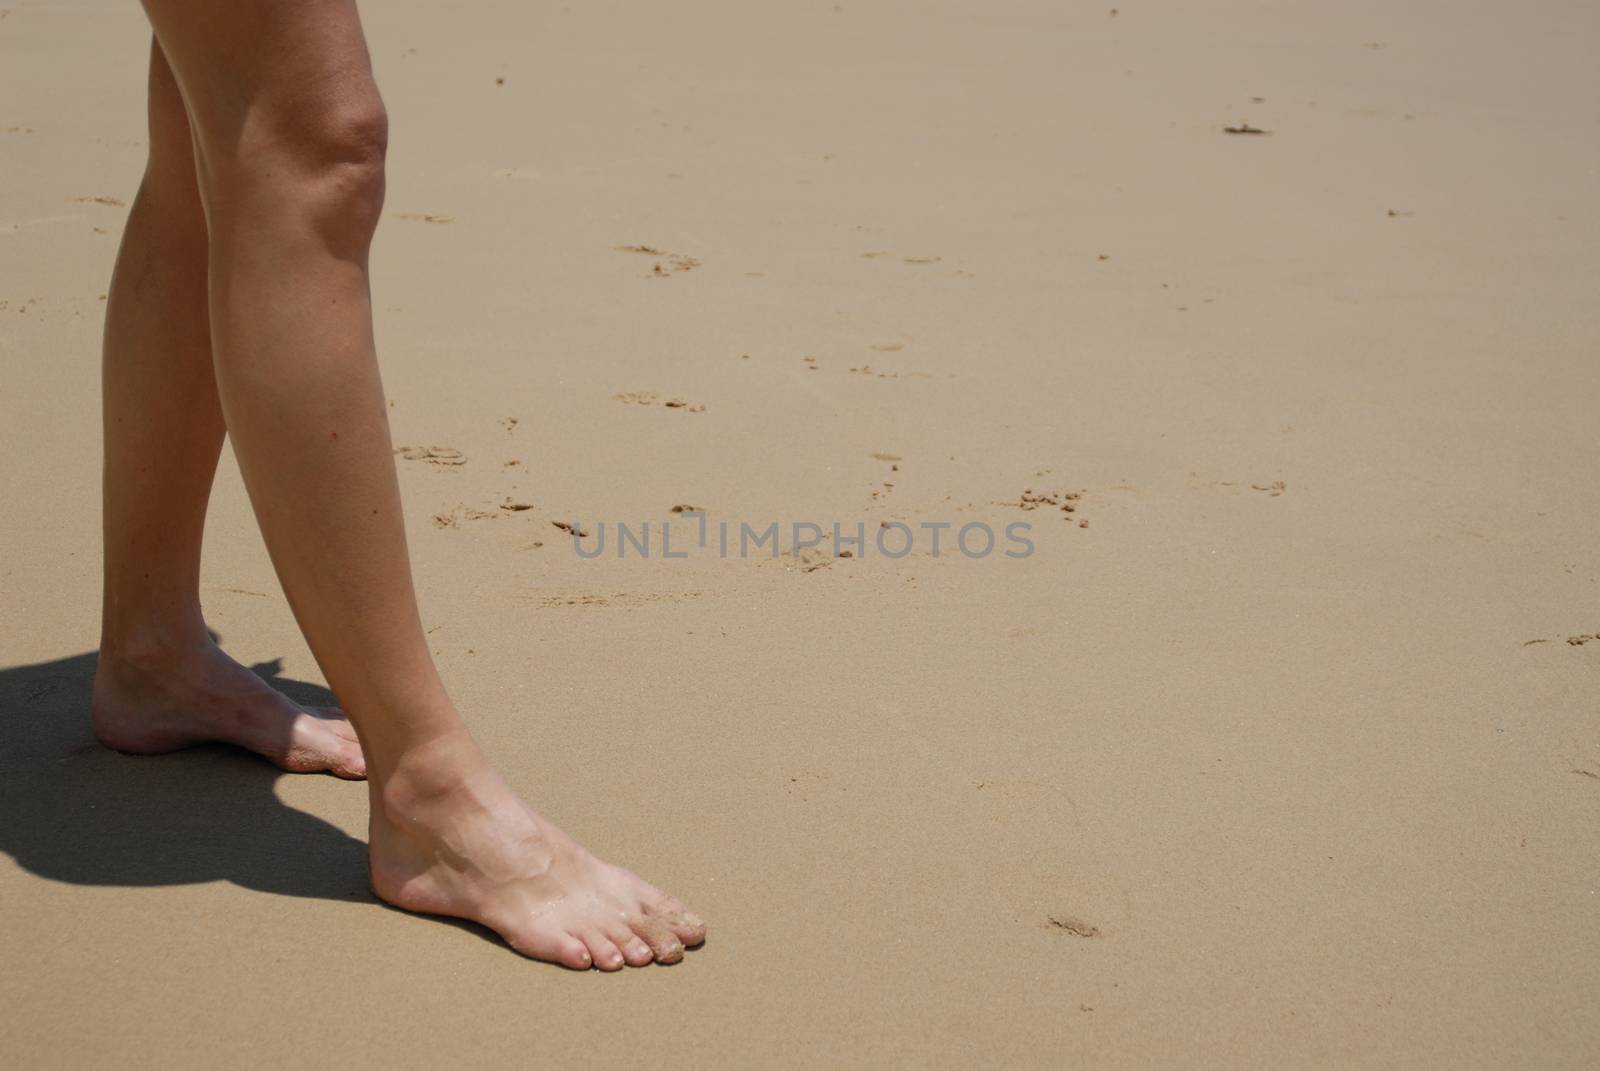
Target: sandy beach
1280,748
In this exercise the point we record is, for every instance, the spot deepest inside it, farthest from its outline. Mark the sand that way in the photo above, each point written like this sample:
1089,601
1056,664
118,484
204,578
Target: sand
1284,759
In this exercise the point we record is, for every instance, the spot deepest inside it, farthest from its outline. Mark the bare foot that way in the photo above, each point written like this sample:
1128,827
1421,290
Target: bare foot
449,837
149,704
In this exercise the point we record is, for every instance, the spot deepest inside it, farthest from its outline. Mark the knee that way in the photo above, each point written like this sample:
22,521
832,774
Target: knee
343,154
320,163
346,138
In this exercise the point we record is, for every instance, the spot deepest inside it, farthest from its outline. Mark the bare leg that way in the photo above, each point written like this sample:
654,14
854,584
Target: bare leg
291,136
161,683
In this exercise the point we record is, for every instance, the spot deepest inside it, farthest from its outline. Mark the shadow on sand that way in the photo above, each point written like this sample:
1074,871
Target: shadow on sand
73,811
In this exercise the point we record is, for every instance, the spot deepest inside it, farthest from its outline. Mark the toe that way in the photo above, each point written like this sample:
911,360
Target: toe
349,763
637,953
634,951
680,920
575,954
315,746
317,749
607,956
664,944
562,948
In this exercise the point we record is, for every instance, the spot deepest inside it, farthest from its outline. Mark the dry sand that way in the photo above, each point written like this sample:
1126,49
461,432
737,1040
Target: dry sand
1246,771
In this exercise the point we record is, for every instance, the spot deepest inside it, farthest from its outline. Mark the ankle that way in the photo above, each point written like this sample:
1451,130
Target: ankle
155,643
426,773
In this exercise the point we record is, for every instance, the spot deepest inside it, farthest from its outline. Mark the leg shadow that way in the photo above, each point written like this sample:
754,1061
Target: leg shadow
74,811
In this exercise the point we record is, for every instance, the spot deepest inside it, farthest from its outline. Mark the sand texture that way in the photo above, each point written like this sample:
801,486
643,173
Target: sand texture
1282,748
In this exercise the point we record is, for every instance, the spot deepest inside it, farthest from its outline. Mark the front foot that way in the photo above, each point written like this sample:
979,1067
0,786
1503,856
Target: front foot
152,703
449,837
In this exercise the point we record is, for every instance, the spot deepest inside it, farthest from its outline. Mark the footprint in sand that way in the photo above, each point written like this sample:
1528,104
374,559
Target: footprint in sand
453,517
879,254
433,455
666,264
627,599
1072,924
884,254
807,560
1067,502
1232,487
650,397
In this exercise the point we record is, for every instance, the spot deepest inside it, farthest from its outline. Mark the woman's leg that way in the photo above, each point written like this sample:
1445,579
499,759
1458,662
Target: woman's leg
290,134
161,683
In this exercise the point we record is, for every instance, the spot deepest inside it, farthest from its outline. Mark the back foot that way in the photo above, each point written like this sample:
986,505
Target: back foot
152,704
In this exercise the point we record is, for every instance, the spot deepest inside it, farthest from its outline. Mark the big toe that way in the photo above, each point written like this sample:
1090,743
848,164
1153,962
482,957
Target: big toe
349,763
552,947
316,749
